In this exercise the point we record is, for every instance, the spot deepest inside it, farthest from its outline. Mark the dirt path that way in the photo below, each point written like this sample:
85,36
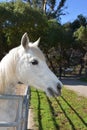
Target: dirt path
75,85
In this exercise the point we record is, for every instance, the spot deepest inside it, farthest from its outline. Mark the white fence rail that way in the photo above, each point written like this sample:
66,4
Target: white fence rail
20,122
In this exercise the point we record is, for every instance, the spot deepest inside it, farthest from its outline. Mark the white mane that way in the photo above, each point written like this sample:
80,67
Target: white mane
7,69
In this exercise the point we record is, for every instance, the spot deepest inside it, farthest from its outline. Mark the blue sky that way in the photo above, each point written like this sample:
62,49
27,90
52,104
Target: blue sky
75,7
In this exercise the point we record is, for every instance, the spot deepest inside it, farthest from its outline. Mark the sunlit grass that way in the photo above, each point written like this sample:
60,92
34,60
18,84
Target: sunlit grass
68,112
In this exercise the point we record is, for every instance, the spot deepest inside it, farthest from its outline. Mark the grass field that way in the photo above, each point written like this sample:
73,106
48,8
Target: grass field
68,112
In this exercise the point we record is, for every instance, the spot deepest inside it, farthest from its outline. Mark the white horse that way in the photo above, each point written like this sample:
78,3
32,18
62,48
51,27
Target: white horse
25,63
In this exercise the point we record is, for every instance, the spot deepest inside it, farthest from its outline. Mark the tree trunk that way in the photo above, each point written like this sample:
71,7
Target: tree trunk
44,6
80,71
86,72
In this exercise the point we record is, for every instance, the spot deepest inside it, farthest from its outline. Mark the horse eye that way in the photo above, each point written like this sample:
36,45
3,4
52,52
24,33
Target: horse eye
34,62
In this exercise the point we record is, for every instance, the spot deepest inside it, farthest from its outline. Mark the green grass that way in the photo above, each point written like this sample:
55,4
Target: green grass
68,112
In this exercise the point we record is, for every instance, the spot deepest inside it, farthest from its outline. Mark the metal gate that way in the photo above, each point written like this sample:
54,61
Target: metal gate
20,122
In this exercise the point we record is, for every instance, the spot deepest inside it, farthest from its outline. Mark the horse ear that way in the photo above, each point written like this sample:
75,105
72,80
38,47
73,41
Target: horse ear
25,40
37,42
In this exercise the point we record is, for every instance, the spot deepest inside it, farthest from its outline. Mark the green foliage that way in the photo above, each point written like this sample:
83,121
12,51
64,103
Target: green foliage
76,39
15,21
81,39
78,22
81,34
82,20
54,33
19,17
57,35
51,8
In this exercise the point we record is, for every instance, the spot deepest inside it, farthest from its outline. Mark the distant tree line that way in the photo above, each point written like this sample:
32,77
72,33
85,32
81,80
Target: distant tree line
64,45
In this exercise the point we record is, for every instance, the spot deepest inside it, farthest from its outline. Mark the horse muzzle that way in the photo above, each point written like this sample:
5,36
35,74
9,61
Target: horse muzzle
57,92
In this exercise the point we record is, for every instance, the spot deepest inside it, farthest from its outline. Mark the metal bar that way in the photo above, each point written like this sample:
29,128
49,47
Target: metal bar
15,97
22,113
19,114
27,108
10,124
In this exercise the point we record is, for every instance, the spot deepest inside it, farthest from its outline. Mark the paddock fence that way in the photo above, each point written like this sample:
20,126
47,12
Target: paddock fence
21,120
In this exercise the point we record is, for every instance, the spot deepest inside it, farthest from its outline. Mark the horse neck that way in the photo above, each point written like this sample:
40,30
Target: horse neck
7,75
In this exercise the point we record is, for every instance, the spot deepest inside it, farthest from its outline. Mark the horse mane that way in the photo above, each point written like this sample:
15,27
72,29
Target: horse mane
7,69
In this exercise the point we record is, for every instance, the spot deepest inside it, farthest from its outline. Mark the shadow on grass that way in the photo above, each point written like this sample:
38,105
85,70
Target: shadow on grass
39,112
85,123
70,121
51,110
53,117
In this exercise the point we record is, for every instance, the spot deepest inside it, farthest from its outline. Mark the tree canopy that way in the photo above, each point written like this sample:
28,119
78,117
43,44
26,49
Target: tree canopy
15,21
40,18
51,8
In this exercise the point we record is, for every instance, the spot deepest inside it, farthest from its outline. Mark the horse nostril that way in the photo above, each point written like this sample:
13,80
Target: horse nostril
50,90
59,87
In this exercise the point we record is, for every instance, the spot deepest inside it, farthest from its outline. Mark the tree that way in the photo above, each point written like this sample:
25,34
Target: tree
29,18
51,8
57,42
80,21
81,36
15,21
81,39
55,9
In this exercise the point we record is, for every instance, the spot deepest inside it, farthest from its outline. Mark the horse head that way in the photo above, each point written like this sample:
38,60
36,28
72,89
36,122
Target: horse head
32,69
